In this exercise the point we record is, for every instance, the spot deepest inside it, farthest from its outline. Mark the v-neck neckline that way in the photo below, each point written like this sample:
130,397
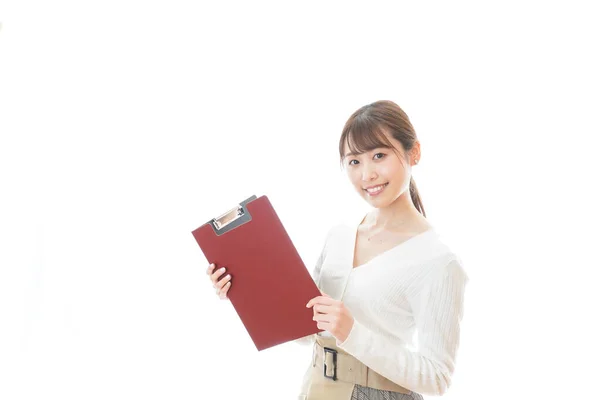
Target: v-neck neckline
399,245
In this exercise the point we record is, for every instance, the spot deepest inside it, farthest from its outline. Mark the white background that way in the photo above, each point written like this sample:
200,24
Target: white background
127,124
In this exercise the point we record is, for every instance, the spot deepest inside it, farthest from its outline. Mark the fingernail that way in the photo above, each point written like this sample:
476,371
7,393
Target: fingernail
307,304
228,276
223,269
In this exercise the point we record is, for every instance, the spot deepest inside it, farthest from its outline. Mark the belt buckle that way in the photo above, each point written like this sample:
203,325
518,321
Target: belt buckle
334,354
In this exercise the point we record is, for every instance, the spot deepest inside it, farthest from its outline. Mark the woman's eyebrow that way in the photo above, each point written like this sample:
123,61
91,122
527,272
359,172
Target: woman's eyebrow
352,153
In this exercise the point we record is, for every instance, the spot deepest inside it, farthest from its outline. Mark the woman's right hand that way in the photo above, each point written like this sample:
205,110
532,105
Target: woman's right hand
221,286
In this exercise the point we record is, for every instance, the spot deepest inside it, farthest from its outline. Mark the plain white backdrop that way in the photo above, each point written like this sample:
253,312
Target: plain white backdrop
126,124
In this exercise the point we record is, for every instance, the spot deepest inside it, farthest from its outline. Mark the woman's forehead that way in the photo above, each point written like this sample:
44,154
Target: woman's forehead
359,144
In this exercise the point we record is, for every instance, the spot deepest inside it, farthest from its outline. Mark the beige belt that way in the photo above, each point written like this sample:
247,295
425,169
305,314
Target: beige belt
337,365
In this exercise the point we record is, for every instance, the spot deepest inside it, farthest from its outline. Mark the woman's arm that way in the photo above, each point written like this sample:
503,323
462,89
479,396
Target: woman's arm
438,311
316,274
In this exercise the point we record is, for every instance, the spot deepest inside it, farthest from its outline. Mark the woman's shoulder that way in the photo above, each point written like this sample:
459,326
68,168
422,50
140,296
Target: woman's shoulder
439,255
429,250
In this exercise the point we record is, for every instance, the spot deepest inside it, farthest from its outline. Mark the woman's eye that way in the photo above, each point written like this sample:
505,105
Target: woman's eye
375,156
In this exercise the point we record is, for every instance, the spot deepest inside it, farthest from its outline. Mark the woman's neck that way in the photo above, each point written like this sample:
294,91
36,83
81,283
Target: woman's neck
398,216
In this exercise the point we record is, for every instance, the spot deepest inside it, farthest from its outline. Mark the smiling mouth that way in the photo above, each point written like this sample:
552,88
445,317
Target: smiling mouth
376,189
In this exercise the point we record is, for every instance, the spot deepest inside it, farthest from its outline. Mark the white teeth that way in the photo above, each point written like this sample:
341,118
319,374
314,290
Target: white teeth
375,189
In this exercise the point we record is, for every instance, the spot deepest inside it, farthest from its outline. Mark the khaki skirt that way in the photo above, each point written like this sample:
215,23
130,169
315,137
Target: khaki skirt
336,375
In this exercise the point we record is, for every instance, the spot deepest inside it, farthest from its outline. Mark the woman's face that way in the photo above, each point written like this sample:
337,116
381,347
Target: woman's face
379,176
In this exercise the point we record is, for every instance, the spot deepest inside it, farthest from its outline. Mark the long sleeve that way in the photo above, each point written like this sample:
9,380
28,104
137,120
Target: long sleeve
316,274
437,310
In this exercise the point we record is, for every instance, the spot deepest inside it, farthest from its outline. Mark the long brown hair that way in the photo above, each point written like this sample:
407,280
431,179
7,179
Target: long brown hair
364,131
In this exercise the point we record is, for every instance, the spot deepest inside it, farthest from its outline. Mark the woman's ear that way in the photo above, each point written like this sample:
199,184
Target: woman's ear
415,153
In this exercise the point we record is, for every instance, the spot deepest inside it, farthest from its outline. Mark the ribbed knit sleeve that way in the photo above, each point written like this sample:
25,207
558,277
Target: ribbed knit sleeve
316,274
438,310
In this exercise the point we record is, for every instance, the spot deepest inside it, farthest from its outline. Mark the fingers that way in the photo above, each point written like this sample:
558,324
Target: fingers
222,293
321,300
214,276
221,285
323,309
324,318
326,326
210,269
325,314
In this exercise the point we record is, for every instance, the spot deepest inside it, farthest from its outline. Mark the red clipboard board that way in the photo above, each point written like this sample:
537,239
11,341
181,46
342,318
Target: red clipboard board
270,284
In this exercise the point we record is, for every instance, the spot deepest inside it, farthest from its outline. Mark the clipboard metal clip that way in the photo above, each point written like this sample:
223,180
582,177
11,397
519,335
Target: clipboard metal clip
227,218
233,218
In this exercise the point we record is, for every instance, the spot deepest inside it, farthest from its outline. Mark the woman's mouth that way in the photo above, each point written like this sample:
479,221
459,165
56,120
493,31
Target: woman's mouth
374,191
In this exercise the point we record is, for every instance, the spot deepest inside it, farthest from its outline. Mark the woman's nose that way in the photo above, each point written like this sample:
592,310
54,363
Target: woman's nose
368,173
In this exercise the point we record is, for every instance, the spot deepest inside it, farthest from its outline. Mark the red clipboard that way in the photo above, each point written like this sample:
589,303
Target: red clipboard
270,284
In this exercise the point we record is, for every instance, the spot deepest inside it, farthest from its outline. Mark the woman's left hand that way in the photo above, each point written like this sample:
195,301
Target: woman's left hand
331,315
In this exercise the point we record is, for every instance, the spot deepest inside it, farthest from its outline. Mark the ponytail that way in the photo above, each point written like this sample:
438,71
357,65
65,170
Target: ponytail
416,199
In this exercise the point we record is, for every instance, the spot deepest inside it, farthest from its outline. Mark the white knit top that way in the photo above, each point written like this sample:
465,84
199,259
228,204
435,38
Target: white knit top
407,304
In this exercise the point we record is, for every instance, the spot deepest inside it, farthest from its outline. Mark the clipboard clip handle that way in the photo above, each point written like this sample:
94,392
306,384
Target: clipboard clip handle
227,218
232,218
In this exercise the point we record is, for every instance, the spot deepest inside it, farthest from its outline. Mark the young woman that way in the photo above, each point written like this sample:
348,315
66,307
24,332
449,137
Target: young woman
392,290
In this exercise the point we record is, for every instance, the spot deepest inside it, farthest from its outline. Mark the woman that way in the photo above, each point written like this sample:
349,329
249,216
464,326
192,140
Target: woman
384,279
